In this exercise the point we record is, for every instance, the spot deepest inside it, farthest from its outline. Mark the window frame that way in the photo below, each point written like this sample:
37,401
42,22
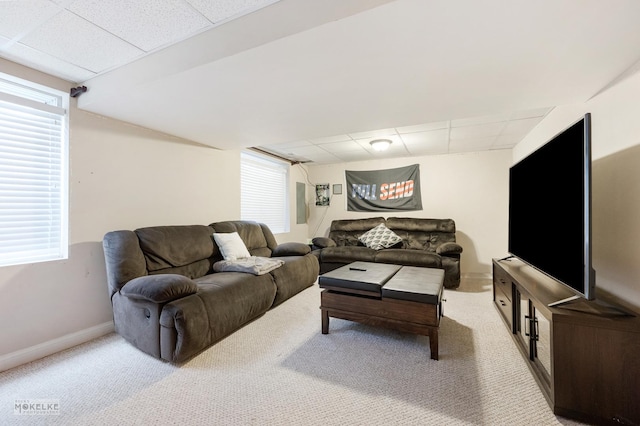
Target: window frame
248,158
26,95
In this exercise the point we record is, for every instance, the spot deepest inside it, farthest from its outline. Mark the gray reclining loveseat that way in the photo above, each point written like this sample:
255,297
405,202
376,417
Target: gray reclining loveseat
428,243
168,301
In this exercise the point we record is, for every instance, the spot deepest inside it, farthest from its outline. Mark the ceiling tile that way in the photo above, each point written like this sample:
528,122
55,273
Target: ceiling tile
70,38
508,140
471,144
477,131
426,138
396,149
329,139
288,155
432,149
538,112
306,151
474,121
221,10
41,61
329,159
288,145
16,17
423,127
353,156
374,134
344,146
521,127
147,24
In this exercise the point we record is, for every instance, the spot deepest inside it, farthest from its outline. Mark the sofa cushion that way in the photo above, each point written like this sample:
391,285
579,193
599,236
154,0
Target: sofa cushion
423,234
422,224
225,301
297,273
192,270
426,241
322,242
291,249
346,232
347,254
380,237
231,246
409,258
123,258
161,288
449,248
173,246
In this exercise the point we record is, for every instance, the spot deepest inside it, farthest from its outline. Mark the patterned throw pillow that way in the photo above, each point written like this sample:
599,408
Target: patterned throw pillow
380,237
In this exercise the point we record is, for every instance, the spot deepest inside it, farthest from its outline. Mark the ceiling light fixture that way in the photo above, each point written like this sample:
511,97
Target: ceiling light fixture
380,144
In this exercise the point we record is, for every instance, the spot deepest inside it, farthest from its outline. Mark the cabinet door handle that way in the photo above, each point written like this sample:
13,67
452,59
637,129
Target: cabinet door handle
502,302
535,329
527,324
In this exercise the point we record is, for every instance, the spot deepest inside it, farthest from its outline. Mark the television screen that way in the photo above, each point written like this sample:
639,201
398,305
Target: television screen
550,208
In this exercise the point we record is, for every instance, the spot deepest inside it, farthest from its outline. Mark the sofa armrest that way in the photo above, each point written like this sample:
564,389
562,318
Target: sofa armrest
161,288
291,249
323,242
449,248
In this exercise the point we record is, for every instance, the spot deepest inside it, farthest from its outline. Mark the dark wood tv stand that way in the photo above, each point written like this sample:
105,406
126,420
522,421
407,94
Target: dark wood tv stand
585,360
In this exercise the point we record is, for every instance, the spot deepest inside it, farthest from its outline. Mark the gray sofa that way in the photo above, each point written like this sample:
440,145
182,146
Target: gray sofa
167,300
429,243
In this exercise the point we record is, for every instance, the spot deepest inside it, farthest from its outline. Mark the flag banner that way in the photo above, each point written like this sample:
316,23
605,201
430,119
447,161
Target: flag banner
384,190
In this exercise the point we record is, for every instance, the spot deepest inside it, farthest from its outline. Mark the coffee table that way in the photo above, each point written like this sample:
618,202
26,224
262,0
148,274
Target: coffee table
403,298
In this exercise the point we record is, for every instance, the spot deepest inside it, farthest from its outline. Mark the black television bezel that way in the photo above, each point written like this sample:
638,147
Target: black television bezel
588,275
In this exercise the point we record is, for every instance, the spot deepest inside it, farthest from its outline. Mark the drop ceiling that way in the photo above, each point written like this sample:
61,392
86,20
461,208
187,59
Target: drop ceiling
317,80
500,131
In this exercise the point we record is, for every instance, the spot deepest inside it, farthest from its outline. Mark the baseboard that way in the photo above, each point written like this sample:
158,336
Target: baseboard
42,350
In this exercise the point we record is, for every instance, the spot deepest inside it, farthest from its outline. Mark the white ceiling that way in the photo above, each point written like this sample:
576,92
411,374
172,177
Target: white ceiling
499,131
317,80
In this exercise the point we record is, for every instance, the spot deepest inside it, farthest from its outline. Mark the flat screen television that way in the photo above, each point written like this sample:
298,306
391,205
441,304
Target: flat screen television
550,209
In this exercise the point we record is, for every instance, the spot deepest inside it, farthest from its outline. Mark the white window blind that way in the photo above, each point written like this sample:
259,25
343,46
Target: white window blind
265,191
33,172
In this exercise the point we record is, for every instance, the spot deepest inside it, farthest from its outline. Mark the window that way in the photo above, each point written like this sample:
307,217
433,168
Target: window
265,191
33,172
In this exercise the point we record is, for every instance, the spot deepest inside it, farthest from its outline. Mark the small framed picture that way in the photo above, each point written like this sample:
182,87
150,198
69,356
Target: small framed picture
337,189
322,194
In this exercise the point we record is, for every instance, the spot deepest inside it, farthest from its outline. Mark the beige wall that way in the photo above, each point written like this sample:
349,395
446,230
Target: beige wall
471,188
616,182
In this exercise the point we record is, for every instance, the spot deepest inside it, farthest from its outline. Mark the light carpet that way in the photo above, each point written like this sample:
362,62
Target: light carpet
280,370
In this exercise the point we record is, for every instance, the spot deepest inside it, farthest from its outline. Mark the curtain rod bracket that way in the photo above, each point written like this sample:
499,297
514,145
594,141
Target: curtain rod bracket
77,91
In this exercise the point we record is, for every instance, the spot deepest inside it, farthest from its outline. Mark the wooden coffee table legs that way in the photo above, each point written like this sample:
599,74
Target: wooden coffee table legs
325,321
433,342
372,312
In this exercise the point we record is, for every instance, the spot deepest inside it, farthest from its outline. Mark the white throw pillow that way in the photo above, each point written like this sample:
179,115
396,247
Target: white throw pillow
380,237
231,246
